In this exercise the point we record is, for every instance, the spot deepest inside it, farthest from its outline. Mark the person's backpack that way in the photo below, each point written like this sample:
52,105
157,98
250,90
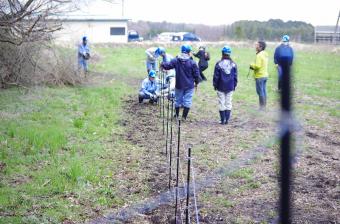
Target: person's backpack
207,56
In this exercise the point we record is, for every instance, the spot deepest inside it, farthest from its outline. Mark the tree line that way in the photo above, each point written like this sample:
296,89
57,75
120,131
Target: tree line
270,30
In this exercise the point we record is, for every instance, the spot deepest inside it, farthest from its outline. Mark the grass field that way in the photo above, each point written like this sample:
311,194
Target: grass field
65,157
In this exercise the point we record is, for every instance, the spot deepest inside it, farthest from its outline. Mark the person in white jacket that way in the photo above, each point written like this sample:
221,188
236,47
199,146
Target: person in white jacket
152,54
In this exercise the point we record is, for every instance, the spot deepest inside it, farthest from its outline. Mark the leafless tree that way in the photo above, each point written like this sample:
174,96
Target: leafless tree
26,26
30,20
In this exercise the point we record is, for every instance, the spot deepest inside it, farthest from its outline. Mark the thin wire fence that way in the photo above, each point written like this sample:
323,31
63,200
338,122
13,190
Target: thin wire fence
287,127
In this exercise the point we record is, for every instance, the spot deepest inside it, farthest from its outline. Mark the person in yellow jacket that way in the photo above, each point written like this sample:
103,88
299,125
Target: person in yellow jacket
260,68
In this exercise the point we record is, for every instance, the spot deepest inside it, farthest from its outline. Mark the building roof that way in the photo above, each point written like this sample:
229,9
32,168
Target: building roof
326,29
85,18
95,10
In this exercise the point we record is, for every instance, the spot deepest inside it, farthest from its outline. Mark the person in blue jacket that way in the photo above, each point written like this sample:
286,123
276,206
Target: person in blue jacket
149,88
83,55
187,78
225,82
283,50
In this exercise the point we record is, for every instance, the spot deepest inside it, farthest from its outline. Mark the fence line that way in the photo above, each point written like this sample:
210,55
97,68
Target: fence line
286,128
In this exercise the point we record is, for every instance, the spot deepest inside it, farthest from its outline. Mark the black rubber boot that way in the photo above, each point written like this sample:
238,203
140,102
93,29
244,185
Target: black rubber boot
185,112
140,99
265,102
227,116
261,102
222,117
176,111
203,77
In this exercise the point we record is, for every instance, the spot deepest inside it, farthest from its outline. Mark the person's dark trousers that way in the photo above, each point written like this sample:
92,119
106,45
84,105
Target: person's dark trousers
202,68
185,112
203,76
261,91
140,99
222,117
226,116
176,111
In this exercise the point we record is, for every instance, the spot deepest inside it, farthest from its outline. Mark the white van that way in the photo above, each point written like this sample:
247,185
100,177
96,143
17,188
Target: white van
165,36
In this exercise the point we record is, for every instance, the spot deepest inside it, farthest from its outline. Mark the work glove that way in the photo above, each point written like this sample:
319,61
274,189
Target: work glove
154,97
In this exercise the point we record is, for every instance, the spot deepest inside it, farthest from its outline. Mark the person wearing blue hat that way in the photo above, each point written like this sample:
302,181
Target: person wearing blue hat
152,55
170,80
187,78
286,51
225,82
149,89
83,55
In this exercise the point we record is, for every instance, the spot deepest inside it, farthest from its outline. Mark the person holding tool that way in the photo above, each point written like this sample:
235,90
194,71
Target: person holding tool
149,88
169,85
260,68
83,55
187,78
225,82
204,57
152,55
282,50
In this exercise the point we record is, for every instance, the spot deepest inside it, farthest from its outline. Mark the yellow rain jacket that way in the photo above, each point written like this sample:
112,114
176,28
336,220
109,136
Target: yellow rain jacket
260,66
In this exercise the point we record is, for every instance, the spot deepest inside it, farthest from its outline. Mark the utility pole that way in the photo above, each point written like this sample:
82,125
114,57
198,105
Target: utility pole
115,2
336,36
123,9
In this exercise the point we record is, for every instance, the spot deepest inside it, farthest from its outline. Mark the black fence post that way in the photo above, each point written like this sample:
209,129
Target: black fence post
163,102
170,148
285,170
178,145
167,128
160,100
188,187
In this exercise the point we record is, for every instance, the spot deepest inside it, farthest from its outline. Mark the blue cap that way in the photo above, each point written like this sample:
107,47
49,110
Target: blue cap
152,74
285,38
84,38
226,50
160,50
186,48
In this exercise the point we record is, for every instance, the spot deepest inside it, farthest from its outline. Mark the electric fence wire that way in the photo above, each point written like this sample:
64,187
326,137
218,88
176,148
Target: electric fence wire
194,190
287,123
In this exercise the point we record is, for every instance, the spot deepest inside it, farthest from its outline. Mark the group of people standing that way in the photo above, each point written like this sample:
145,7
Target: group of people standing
187,74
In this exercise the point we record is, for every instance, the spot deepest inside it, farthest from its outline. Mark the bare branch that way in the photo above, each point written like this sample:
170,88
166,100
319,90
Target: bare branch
22,21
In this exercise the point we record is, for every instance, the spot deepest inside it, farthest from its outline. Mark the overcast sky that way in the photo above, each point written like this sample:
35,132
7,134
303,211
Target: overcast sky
216,12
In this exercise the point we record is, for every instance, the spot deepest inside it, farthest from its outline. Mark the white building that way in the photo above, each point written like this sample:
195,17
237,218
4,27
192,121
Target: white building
100,21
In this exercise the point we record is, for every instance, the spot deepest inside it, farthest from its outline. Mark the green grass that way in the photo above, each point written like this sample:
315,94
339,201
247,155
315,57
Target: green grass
54,141
62,148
